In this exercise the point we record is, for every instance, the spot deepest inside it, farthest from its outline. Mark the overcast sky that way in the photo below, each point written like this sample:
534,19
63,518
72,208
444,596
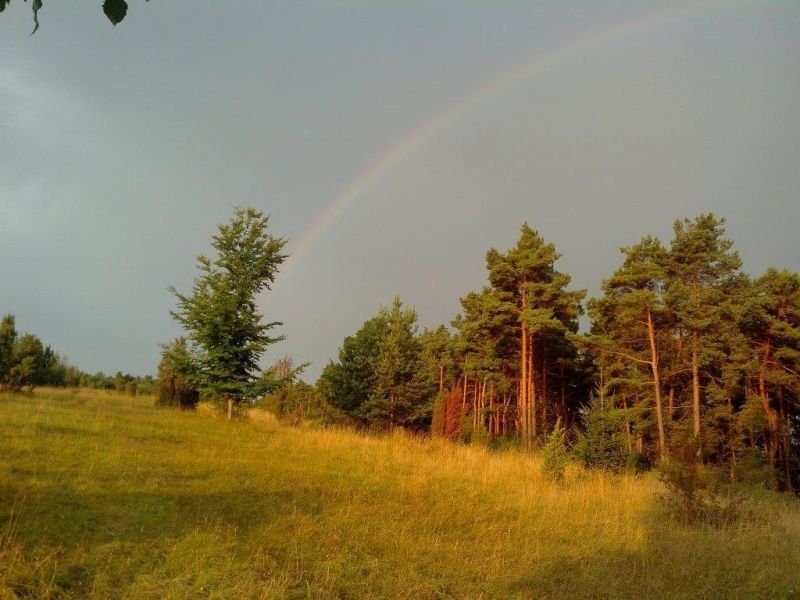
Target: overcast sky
122,148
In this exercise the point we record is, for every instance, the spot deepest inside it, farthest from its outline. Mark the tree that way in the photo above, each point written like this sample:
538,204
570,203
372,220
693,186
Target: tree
348,382
773,381
397,397
486,342
627,320
437,360
8,339
377,377
28,360
174,388
547,313
702,267
221,317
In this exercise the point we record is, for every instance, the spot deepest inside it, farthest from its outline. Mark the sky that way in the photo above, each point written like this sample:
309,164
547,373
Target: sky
392,144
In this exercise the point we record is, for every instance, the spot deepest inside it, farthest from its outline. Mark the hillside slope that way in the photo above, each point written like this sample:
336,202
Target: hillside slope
107,497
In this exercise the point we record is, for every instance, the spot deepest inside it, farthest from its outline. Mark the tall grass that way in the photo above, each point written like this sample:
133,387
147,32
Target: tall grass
103,496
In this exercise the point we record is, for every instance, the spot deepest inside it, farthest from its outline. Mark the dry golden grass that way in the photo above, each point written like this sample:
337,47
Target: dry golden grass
103,496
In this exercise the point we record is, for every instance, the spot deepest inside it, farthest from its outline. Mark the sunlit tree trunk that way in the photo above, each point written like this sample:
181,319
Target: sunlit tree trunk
651,334
523,380
695,391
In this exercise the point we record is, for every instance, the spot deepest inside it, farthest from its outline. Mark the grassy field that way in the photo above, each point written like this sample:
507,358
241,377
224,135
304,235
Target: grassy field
103,496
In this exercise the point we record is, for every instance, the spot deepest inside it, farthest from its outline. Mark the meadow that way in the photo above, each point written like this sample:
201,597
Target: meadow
106,496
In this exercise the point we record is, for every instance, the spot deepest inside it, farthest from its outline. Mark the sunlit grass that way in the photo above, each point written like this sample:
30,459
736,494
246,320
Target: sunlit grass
104,496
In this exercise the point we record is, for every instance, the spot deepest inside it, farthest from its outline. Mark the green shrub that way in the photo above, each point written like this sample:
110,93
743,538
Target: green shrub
692,490
555,456
601,443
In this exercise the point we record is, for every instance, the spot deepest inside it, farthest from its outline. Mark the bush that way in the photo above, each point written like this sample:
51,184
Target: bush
555,456
601,443
692,490
752,467
173,386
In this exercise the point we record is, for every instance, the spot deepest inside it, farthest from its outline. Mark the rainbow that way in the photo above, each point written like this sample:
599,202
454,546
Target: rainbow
537,65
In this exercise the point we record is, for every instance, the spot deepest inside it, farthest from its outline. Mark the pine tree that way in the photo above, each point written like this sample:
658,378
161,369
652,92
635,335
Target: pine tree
544,308
702,267
629,317
486,343
773,329
437,361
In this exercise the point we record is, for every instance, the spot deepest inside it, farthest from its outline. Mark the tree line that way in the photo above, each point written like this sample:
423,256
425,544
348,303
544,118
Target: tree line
25,363
685,355
684,349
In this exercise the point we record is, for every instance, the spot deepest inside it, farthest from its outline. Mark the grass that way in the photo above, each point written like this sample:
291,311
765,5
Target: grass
103,496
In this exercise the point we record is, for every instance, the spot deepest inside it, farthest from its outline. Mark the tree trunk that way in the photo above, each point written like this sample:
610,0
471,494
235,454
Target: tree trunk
523,382
475,405
651,333
627,426
230,409
506,403
786,445
534,429
771,438
671,401
492,415
695,392
567,424
544,396
464,395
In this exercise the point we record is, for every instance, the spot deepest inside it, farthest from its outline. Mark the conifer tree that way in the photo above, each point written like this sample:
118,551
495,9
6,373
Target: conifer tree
629,317
376,379
397,398
437,361
702,267
774,379
543,305
487,342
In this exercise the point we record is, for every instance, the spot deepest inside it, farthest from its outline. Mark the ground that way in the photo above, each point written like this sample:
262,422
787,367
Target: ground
106,496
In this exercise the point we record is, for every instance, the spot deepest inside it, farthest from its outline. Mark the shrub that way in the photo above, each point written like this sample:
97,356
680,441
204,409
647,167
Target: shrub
173,387
601,443
555,456
692,490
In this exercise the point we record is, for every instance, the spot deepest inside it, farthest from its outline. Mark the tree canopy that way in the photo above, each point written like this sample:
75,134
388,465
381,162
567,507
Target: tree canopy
221,317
